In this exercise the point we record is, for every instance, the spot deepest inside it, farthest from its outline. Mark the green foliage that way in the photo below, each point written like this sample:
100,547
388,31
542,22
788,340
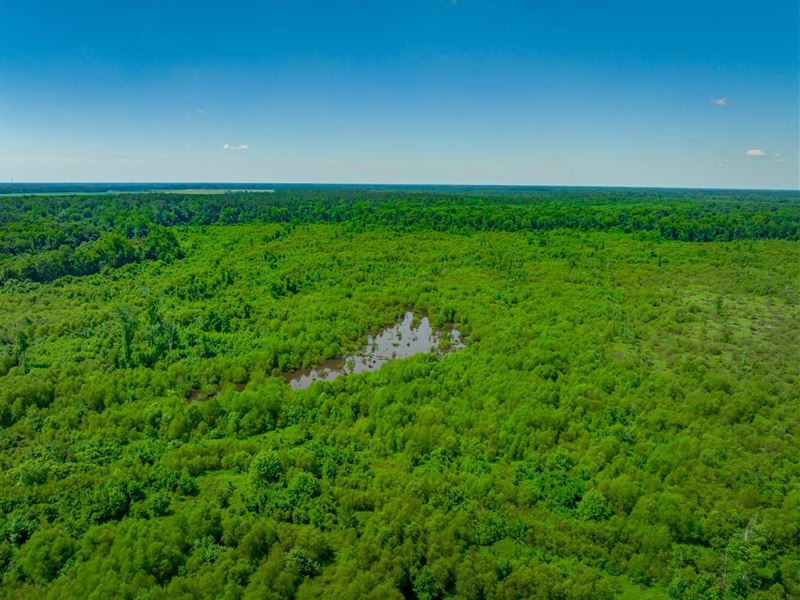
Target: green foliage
594,507
108,251
43,556
266,468
621,423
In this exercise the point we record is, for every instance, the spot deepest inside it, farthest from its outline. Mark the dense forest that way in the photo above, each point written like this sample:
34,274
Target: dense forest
622,422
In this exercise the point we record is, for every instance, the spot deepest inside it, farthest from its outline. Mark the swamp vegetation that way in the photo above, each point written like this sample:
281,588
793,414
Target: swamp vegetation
621,421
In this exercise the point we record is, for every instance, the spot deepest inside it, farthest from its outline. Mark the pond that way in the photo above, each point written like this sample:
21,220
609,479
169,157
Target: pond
406,338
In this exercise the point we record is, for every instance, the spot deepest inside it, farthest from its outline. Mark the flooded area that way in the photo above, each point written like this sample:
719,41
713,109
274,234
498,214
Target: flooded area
406,338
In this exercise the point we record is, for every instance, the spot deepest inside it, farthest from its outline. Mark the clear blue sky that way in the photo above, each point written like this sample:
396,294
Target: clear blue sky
700,93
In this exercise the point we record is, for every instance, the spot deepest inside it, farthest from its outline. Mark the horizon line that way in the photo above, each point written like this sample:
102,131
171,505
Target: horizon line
388,184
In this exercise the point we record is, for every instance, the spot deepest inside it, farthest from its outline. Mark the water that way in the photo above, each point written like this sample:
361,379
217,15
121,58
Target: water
398,341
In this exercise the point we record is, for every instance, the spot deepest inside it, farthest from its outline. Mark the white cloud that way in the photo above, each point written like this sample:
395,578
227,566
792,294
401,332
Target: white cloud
200,111
234,148
756,152
719,101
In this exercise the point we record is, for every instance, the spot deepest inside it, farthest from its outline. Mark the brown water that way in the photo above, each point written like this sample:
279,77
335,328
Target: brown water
398,341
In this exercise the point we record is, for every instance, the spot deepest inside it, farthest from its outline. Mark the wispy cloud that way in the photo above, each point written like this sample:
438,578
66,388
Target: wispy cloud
235,148
723,101
756,152
200,111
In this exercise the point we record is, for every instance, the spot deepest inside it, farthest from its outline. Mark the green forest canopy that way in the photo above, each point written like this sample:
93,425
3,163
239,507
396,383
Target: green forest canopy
622,422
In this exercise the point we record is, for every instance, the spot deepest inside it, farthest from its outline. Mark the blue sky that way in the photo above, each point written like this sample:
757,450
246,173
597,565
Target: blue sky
699,93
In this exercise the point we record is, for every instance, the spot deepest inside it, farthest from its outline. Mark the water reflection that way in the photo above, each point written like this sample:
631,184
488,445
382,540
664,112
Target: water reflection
401,340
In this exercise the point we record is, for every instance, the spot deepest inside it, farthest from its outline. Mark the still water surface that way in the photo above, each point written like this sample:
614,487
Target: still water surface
405,338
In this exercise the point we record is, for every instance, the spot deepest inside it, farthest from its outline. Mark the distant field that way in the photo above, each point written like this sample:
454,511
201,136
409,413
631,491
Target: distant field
529,191
202,191
192,191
